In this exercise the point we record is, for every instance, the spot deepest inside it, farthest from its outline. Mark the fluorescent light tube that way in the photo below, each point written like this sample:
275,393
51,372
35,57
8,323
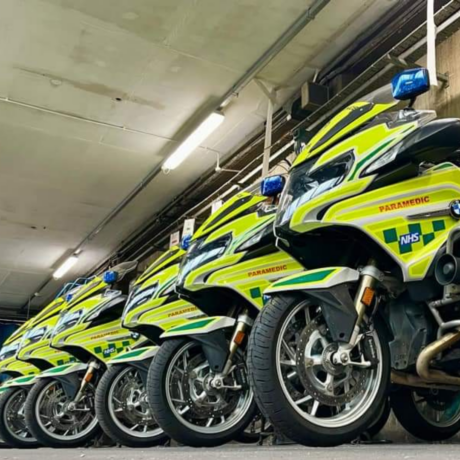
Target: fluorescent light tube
65,267
193,141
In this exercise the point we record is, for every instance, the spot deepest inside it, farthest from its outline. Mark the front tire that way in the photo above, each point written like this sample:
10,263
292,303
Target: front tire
306,397
123,411
13,428
426,415
52,424
203,418
377,425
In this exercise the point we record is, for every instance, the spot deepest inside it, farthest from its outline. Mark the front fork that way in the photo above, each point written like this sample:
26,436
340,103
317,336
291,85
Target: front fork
88,377
370,276
243,323
365,296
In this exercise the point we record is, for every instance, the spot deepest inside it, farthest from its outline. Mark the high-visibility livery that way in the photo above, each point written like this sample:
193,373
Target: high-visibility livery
13,393
152,308
371,209
60,408
34,351
197,384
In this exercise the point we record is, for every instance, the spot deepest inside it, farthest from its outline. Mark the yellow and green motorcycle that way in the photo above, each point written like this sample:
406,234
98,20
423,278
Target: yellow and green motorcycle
152,308
35,346
197,384
13,429
371,209
60,408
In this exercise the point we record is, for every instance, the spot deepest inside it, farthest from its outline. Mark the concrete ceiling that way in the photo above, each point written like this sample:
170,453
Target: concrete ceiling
96,93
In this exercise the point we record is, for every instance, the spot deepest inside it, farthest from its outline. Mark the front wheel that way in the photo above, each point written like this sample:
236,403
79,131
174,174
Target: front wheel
186,404
430,415
13,428
305,394
54,421
123,410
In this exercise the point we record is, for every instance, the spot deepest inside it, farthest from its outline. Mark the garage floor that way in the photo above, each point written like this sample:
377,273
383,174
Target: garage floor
375,452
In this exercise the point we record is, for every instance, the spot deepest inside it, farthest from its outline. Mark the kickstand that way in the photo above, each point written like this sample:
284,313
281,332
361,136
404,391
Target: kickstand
265,431
367,440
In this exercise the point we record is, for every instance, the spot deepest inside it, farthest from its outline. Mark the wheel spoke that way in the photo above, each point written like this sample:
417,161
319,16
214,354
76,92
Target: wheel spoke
316,360
184,361
314,408
184,410
307,315
303,400
290,352
178,369
291,375
209,422
200,367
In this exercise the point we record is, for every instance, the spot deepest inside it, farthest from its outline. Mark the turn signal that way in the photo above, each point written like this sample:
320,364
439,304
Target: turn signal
368,296
239,337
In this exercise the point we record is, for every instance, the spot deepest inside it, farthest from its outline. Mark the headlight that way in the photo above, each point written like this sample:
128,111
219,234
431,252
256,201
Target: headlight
201,253
138,297
67,321
34,336
304,185
9,351
255,239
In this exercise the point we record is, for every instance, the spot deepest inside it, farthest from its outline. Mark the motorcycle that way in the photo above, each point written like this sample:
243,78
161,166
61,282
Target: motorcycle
60,408
370,208
152,308
13,429
35,349
197,383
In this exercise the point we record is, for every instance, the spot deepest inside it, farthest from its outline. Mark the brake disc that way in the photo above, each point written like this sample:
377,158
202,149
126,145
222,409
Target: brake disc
309,379
134,403
225,401
55,410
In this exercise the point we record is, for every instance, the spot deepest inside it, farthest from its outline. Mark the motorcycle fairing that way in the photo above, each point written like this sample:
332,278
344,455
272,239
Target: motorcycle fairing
345,122
161,307
14,367
410,220
10,365
171,256
234,207
365,147
248,278
139,354
66,369
200,326
321,278
23,381
103,341
37,349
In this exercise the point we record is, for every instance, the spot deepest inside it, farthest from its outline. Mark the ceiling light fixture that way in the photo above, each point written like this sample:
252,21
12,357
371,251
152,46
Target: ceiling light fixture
65,267
209,125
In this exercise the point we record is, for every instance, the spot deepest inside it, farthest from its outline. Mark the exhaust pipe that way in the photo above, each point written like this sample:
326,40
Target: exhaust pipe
411,380
429,353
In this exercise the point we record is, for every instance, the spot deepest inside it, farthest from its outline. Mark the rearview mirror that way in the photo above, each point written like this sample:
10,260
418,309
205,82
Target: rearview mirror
410,84
272,186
